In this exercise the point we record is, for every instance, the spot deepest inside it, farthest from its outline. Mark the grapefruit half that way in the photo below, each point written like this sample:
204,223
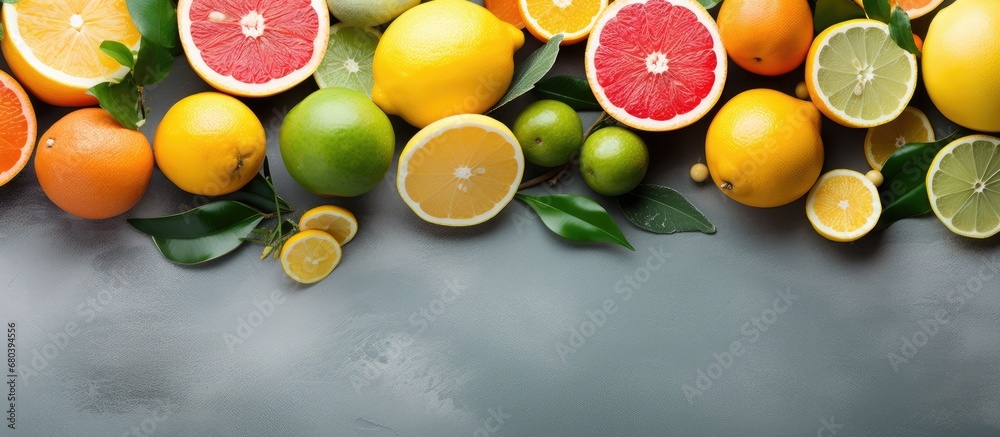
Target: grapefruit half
254,48
656,65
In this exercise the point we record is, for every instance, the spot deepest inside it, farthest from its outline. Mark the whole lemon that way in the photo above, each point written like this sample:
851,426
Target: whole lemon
961,49
768,37
763,148
443,58
209,144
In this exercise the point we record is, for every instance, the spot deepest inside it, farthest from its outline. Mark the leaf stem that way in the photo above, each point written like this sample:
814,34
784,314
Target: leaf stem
552,177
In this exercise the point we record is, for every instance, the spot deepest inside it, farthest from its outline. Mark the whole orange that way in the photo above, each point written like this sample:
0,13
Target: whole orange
768,37
91,166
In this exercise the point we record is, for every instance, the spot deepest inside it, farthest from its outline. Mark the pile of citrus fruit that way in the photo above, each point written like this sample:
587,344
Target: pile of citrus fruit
652,65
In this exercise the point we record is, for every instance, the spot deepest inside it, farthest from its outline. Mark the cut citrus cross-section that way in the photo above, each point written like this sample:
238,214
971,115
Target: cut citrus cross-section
913,8
348,59
18,128
963,185
460,170
574,19
912,126
310,256
334,220
656,65
843,205
53,46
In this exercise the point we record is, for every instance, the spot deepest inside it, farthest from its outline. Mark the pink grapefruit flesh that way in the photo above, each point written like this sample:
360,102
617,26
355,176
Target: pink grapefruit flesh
254,48
656,65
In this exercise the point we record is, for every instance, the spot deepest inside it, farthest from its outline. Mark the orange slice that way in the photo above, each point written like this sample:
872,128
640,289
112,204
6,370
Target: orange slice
505,10
18,128
913,8
310,256
912,126
843,205
53,46
334,220
572,18
460,170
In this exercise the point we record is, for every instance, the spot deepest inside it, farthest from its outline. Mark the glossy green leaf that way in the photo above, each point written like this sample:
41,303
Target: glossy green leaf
877,10
156,20
662,210
122,100
571,90
258,194
830,12
206,247
201,221
120,52
903,191
152,64
531,71
709,4
900,31
576,218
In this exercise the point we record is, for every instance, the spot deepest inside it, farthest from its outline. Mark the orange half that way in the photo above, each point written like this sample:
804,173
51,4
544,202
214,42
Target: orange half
18,128
572,18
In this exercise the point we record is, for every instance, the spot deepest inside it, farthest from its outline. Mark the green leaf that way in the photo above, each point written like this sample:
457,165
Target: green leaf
900,31
903,191
120,52
576,218
207,247
152,64
830,12
877,10
531,71
662,210
156,20
199,222
258,194
571,90
709,4
122,100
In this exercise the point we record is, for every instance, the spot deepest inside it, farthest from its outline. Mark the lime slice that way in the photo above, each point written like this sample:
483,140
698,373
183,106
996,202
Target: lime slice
858,76
912,126
348,59
963,186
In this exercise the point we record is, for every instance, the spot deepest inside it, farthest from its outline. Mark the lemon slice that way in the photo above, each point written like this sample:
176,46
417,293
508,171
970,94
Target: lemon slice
334,220
348,59
309,256
857,75
912,126
843,205
963,186
460,170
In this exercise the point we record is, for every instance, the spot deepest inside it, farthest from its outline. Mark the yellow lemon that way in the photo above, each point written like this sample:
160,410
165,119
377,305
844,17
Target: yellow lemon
309,256
209,144
960,59
334,220
763,148
443,58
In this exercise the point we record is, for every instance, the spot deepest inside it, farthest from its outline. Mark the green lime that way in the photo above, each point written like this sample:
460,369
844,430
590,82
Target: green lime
613,161
549,132
368,13
963,185
336,142
348,59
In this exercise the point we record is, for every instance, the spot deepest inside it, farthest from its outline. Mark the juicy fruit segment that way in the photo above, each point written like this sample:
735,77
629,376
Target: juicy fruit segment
574,19
367,13
53,46
334,220
843,206
857,75
18,128
768,37
92,167
309,256
209,144
656,65
963,185
913,8
506,10
254,48
348,59
460,171
912,126
549,132
613,161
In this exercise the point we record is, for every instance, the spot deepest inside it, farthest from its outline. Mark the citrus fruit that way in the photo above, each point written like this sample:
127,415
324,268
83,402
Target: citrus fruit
549,132
506,10
843,206
209,144
961,46
857,75
368,13
309,256
53,46
913,8
253,49
768,37
334,220
699,172
348,59
443,58
336,142
18,128
656,65
763,148
573,19
92,167
460,170
613,161
912,126
963,185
